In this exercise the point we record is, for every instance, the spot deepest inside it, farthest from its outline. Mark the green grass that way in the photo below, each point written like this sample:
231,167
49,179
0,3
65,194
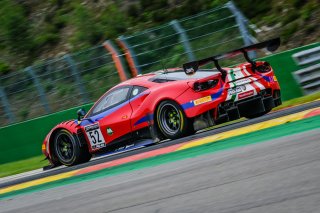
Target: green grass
298,101
37,162
17,167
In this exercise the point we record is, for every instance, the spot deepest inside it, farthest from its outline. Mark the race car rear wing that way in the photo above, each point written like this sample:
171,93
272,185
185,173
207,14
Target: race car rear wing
192,67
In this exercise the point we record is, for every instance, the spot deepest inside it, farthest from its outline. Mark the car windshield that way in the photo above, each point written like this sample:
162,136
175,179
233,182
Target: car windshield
111,99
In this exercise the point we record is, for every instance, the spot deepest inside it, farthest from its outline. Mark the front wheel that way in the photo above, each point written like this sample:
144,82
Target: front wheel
172,121
67,149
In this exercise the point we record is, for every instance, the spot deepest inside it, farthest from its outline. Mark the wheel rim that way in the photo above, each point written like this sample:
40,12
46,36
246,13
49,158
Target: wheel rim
64,147
170,119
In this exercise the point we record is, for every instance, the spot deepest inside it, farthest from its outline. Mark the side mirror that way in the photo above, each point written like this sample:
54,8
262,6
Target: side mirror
81,113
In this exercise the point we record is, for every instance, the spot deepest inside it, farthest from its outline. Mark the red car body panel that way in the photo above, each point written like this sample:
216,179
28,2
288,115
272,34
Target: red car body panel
70,125
129,110
137,113
265,79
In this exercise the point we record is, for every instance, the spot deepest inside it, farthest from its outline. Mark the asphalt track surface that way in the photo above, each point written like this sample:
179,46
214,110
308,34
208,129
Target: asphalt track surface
282,175
165,144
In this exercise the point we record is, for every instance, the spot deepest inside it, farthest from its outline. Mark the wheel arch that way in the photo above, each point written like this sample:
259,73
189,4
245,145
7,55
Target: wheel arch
68,126
155,109
184,118
52,156
81,155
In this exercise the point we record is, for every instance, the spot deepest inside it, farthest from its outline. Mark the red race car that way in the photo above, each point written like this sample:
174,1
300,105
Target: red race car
167,105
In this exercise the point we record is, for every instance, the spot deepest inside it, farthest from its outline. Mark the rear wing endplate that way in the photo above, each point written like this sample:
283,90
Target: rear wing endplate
192,67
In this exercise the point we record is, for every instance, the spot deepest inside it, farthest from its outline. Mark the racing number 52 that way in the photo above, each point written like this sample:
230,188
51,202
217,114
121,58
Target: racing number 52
95,136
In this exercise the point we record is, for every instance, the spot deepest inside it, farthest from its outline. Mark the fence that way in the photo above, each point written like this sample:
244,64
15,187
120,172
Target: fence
79,78
198,36
309,76
61,83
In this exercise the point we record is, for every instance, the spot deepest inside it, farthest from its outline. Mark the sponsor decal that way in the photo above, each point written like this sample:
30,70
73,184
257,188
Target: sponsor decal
242,81
275,78
124,147
109,131
202,100
235,90
245,94
91,127
95,136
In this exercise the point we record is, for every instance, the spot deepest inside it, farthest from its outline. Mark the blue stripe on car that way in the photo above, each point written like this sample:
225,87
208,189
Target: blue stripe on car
101,115
214,96
148,117
187,105
267,78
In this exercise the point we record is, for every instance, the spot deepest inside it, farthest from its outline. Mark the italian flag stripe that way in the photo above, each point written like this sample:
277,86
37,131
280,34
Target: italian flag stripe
246,71
255,86
233,97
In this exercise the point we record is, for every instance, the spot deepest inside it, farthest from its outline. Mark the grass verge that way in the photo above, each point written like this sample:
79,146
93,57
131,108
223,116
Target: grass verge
17,167
298,101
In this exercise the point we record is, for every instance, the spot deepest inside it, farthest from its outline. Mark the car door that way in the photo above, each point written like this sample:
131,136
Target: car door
139,118
111,117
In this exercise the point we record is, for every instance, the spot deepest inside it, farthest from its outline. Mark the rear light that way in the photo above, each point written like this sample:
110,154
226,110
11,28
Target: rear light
263,68
204,85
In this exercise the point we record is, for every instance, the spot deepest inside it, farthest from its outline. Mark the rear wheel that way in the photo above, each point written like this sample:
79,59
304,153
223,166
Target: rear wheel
172,121
67,149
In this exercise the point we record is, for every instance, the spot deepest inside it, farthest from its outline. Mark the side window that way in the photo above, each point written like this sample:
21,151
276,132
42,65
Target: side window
111,99
137,90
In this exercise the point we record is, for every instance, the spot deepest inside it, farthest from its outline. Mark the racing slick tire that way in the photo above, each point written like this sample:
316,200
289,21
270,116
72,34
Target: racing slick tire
67,149
172,121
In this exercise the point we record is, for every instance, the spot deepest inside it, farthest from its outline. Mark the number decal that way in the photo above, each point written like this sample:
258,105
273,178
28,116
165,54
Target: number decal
93,139
95,136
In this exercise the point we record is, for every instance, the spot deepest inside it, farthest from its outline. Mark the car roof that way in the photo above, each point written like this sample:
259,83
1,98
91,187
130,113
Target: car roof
143,79
161,76
140,80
